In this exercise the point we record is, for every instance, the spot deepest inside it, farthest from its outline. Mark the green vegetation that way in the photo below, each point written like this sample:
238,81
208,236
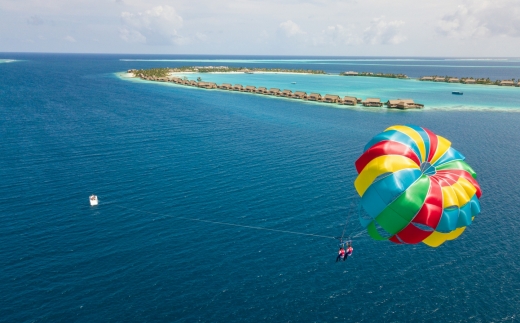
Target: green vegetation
387,75
483,81
163,72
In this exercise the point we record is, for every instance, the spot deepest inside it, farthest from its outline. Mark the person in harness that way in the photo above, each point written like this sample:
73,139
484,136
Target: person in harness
349,252
341,254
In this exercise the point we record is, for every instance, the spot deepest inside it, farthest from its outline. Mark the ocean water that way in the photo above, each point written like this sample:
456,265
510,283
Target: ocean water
164,159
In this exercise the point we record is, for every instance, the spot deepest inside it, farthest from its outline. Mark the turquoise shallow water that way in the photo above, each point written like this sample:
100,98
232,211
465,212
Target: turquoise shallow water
431,94
158,154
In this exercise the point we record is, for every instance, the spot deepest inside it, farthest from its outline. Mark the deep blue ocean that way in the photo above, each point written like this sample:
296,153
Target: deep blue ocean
164,159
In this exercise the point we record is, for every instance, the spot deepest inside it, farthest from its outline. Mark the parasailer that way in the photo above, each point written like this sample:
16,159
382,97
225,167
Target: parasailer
341,254
415,187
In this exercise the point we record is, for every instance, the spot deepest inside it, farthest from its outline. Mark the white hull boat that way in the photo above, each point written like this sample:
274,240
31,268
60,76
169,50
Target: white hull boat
93,200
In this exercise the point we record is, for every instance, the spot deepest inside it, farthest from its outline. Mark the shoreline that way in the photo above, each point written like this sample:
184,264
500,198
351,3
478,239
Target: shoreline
430,108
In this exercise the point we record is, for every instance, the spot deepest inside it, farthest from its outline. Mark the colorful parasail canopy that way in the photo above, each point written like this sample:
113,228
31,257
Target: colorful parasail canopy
415,187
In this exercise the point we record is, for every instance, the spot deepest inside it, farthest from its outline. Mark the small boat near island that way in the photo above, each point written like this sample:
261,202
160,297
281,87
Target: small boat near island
93,200
457,93
293,82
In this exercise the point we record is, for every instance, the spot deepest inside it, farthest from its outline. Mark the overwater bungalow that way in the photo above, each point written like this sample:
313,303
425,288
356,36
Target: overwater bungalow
507,83
372,102
426,78
287,93
225,86
314,97
238,87
469,81
453,80
250,88
192,83
208,85
300,95
403,104
331,98
350,100
274,91
440,79
262,90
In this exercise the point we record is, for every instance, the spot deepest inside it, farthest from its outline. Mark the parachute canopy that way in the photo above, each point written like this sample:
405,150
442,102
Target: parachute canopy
415,187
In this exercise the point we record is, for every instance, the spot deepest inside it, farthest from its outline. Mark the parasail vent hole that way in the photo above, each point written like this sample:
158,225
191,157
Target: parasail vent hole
428,169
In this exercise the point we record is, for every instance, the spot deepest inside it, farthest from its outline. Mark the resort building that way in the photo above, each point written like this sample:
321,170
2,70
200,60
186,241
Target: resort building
300,95
507,83
468,81
440,79
262,90
331,98
250,88
208,85
403,104
225,86
274,91
314,97
351,73
287,93
426,78
372,102
238,87
453,80
162,79
350,100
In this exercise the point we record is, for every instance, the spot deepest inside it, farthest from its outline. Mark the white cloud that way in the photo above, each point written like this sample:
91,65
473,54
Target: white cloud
131,36
383,32
483,19
337,35
290,29
70,39
158,26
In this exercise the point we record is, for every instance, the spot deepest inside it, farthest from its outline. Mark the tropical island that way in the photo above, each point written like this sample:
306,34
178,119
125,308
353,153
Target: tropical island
370,74
162,72
171,75
468,80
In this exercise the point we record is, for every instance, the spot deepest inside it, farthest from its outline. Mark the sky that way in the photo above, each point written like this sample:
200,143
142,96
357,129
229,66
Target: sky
455,28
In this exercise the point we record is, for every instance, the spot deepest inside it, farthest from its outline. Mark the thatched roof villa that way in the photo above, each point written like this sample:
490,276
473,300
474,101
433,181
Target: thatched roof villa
331,98
469,81
426,78
314,97
403,104
208,85
440,79
250,88
238,87
192,83
287,93
274,91
262,90
453,80
350,100
507,83
372,102
300,95
225,86
162,79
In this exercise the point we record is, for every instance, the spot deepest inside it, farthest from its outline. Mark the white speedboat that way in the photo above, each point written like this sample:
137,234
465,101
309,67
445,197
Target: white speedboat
93,200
